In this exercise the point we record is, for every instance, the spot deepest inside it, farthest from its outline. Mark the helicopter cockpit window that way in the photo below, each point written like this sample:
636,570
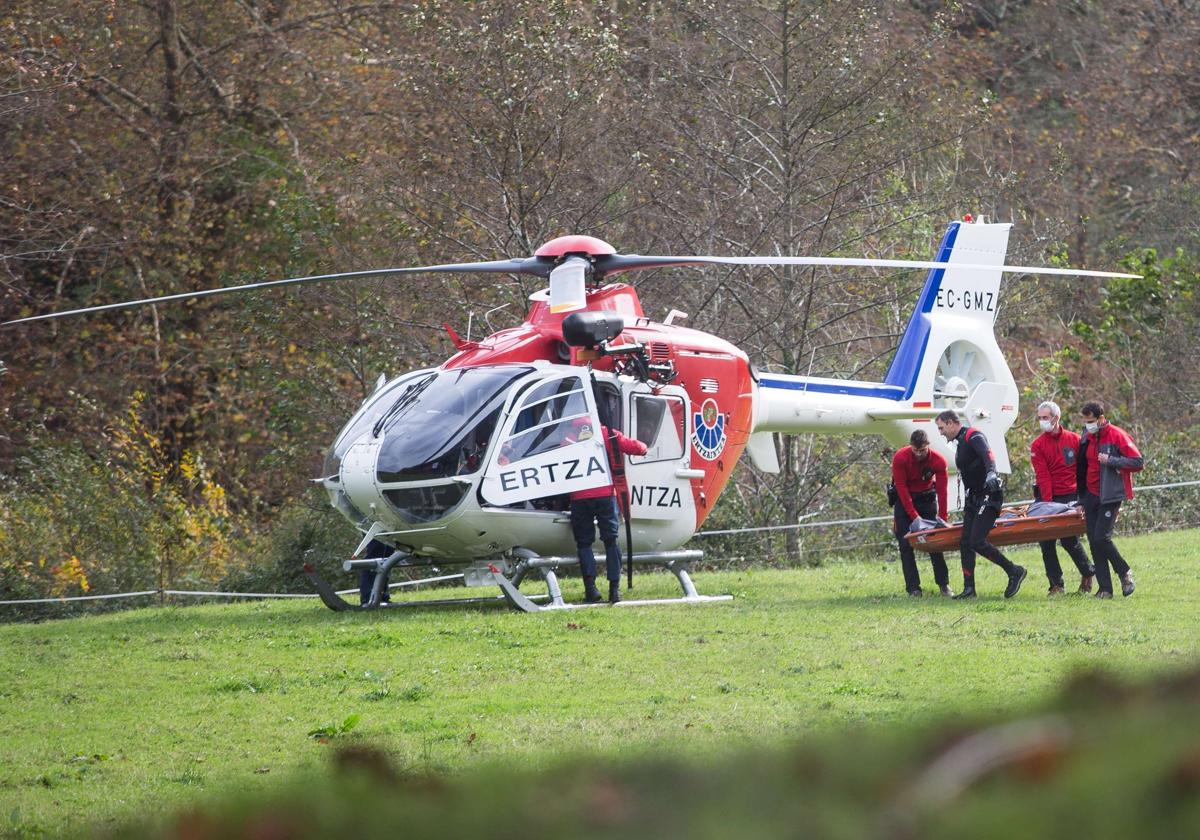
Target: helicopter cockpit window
658,423
372,409
608,404
442,426
553,414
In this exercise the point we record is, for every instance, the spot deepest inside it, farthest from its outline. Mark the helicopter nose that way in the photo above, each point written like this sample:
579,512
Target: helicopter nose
358,476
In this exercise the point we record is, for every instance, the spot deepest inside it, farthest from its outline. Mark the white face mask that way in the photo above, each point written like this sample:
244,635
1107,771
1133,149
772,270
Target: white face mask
1092,427
1046,425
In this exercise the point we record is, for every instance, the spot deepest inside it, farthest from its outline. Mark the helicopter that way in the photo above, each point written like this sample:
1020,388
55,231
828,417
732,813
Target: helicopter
472,463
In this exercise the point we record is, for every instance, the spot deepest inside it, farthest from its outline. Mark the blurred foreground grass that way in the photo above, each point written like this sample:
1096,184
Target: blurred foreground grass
1104,760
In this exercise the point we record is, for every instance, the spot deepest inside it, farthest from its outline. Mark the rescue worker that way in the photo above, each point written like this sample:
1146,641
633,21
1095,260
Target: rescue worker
1104,469
977,469
1052,454
598,506
375,550
919,476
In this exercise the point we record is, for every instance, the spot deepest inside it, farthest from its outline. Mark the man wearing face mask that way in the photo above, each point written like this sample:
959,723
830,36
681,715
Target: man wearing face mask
1053,457
977,469
1104,469
919,476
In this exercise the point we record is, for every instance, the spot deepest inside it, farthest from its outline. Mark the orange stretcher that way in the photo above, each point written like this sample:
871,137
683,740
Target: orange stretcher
1013,527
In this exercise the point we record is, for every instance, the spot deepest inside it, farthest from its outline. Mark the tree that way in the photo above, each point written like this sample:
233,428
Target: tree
794,132
165,151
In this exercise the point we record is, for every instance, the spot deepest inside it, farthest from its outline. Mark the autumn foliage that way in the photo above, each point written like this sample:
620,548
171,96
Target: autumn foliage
170,146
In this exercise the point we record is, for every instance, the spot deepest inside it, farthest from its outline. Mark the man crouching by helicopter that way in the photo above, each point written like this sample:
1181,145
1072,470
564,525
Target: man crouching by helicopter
598,506
977,468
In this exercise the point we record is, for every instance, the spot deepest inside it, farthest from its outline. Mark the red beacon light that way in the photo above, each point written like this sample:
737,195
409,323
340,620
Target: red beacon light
968,218
564,245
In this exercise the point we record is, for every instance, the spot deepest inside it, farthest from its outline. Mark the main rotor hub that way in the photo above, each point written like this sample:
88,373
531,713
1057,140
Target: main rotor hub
563,245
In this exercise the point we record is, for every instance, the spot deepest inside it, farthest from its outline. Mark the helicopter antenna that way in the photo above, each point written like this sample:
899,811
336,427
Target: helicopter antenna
487,320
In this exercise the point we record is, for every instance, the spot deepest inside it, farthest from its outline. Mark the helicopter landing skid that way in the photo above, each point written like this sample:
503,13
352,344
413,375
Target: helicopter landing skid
675,561
334,600
497,573
329,598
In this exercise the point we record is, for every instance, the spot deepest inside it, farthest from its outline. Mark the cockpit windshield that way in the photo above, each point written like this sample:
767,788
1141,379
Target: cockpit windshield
374,407
440,426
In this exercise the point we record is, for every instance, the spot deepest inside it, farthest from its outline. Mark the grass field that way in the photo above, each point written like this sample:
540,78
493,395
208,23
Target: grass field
109,719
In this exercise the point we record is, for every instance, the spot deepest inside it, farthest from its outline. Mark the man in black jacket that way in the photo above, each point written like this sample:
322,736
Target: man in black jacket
977,469
1105,465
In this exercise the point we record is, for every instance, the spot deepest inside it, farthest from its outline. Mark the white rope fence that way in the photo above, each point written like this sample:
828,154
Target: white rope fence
830,523
827,524
215,594
84,597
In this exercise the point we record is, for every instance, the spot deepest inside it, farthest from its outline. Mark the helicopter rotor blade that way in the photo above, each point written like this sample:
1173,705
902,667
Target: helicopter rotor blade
617,263
535,266
573,273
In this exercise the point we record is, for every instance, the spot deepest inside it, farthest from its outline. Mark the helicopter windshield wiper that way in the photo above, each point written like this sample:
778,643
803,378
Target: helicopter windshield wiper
404,401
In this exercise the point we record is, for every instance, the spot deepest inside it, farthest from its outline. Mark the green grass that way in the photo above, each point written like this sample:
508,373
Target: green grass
111,718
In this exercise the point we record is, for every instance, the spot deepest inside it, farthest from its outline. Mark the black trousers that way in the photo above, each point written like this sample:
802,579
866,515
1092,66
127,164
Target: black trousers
979,515
375,550
1101,518
586,514
1073,548
926,505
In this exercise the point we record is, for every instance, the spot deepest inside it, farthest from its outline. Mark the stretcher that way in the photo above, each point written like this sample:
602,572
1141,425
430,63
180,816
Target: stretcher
1014,526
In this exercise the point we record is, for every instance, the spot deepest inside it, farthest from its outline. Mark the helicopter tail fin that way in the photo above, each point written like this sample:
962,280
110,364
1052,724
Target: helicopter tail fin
949,356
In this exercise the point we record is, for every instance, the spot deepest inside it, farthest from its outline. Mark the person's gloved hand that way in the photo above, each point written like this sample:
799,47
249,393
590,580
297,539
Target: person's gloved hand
992,482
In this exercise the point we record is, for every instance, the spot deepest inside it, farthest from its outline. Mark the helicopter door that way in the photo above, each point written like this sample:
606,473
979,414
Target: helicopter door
550,444
659,482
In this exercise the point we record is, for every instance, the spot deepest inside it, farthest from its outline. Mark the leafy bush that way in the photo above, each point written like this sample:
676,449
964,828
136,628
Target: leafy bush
308,532
127,519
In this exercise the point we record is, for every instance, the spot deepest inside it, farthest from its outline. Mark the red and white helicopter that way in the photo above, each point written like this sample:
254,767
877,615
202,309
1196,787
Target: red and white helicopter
471,462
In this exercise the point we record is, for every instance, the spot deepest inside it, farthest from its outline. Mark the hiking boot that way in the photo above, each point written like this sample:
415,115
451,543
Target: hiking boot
916,593
614,591
968,592
1103,593
1055,590
1127,586
1015,578
1085,583
591,595
946,591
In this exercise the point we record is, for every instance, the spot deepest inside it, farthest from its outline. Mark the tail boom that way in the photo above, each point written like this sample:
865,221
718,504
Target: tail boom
948,358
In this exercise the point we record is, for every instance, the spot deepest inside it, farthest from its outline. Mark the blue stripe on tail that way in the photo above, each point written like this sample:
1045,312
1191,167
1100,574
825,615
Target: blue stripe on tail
907,364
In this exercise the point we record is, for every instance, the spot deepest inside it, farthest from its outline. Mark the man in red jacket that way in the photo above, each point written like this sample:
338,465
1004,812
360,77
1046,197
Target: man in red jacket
598,506
1053,457
1104,469
919,476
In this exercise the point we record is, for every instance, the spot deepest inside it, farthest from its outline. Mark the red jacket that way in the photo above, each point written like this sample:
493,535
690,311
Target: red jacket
1053,458
1113,481
911,476
628,446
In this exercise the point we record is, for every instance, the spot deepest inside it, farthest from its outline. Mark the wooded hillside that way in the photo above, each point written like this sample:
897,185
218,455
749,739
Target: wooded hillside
160,146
